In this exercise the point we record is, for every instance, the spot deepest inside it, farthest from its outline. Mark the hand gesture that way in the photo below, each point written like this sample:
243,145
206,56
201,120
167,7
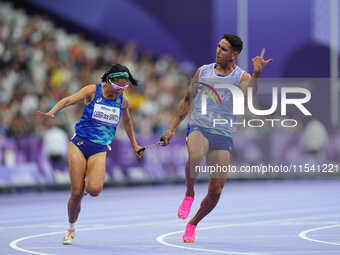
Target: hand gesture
259,63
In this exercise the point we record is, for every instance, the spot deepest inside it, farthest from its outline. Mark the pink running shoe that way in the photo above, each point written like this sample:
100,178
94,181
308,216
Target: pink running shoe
184,208
189,234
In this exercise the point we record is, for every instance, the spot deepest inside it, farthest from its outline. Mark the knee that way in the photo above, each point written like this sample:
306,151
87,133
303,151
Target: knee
93,190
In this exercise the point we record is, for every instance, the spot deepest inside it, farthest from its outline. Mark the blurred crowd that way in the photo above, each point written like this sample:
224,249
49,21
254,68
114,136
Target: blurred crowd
41,63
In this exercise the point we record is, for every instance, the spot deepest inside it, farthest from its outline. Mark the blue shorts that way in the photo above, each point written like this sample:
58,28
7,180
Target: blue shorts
216,141
87,147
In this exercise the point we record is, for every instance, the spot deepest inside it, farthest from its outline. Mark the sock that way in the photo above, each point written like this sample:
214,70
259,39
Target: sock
71,226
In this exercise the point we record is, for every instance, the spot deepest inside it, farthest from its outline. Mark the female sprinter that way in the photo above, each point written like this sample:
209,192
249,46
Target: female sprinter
104,104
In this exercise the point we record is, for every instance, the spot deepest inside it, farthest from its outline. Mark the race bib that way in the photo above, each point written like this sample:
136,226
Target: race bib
107,115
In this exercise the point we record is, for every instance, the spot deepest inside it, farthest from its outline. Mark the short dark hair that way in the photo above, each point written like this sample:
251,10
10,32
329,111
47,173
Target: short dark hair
235,42
119,68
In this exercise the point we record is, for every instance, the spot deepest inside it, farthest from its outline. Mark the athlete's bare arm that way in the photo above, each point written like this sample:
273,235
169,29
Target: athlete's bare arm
128,126
85,93
248,80
182,109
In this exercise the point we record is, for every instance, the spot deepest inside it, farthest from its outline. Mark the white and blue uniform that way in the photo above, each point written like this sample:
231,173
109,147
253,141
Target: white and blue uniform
220,107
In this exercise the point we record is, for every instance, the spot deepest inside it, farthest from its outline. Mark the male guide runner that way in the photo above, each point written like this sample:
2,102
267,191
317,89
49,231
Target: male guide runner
203,139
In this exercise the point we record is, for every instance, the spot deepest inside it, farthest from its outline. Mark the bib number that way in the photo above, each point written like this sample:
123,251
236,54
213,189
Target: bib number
107,115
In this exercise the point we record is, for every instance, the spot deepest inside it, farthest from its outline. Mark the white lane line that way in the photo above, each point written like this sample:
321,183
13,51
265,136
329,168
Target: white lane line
14,244
47,247
103,218
303,234
305,223
87,222
112,219
32,218
34,226
39,218
161,238
64,226
217,217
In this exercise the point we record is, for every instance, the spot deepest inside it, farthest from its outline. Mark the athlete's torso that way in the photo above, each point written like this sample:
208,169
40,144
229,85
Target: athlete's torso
219,101
100,118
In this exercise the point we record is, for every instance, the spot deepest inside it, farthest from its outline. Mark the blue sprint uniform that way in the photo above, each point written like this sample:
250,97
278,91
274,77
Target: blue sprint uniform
98,123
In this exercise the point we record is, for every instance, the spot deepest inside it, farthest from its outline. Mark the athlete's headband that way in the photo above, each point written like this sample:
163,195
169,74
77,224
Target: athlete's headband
119,74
